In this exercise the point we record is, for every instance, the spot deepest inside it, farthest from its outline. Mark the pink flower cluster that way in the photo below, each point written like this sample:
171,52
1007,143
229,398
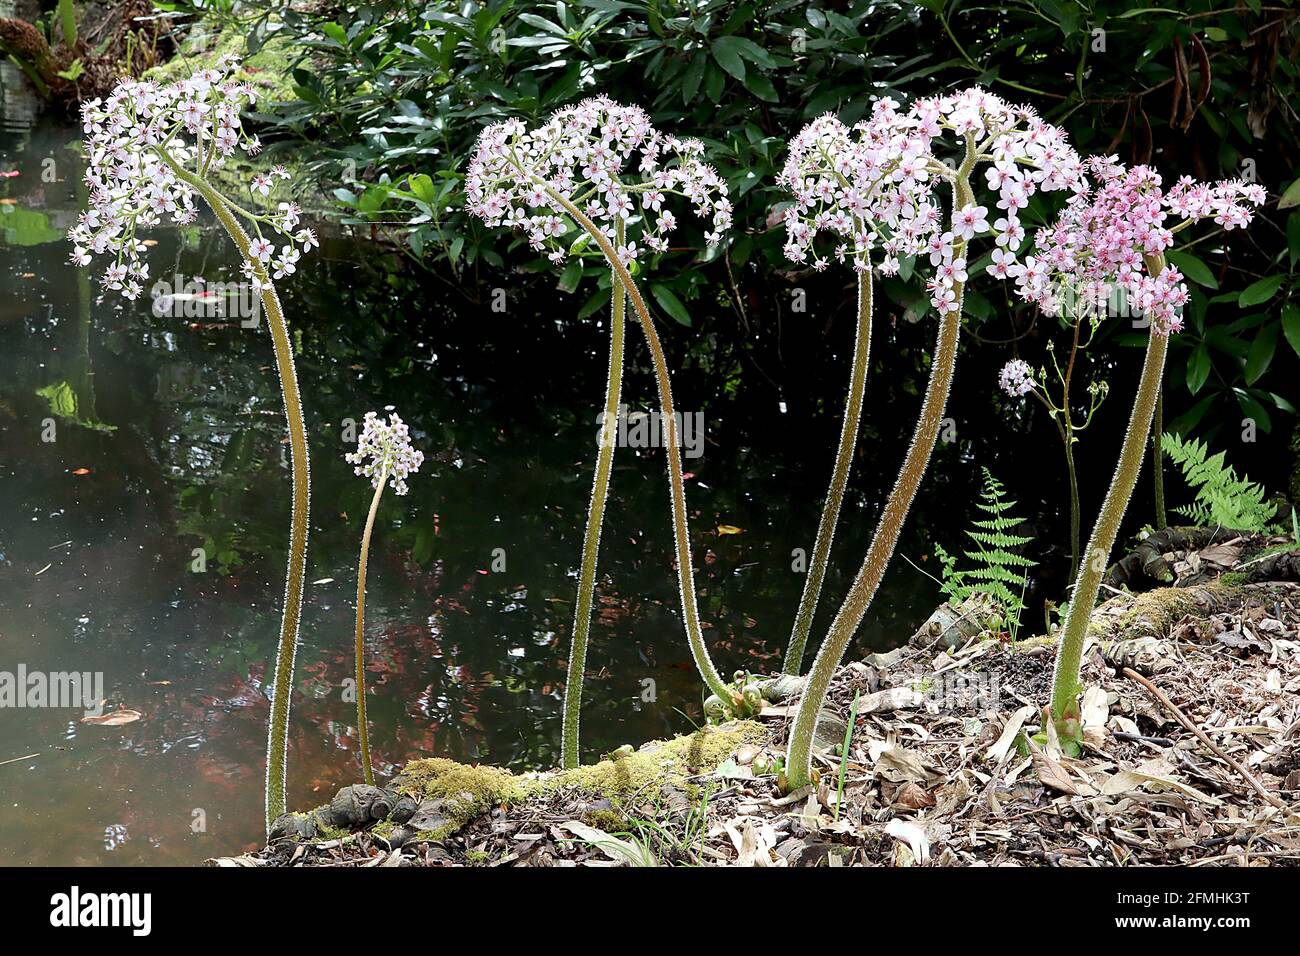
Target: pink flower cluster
134,136
872,185
1104,239
605,158
1016,378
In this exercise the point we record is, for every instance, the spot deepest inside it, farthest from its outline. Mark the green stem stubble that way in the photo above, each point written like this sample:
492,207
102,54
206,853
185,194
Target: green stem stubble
839,478
798,762
677,490
362,732
282,685
595,519
1065,681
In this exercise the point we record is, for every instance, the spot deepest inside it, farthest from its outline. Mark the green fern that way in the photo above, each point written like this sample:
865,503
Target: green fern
1221,497
994,565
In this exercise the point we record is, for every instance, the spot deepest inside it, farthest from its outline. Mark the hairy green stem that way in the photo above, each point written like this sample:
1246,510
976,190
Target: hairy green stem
1158,459
676,483
595,519
1069,655
282,684
1075,520
362,732
839,479
798,761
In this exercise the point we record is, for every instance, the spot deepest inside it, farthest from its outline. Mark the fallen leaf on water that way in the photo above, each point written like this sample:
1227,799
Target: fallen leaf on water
81,471
730,529
116,719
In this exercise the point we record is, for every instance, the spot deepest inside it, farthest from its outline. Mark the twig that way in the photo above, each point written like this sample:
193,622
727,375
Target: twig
17,759
1186,722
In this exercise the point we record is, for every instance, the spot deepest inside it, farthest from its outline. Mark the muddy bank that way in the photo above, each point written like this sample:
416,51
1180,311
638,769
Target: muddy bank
1191,756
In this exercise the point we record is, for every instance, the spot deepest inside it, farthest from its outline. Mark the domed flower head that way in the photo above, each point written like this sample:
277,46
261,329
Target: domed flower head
384,451
137,139
610,162
872,185
1016,378
1102,240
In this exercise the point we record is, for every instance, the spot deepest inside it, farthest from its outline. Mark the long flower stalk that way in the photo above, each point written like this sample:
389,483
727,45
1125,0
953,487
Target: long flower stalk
676,483
798,761
595,520
359,641
1158,461
872,187
603,167
150,150
1065,678
839,479
1112,238
277,744
383,451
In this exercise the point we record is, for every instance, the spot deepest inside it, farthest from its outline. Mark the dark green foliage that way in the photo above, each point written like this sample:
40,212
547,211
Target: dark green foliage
993,564
1221,497
393,94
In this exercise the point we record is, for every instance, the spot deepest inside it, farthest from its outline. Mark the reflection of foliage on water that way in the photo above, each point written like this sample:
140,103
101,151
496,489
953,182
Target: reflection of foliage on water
27,227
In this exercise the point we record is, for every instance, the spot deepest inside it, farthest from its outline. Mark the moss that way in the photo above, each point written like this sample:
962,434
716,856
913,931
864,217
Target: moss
267,69
1031,643
478,857
611,821
660,762
465,791
1159,609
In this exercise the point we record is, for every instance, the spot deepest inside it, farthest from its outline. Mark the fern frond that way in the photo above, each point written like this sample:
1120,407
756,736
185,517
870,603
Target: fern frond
991,564
1222,498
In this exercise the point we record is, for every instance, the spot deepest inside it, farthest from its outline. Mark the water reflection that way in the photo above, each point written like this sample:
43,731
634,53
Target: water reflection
145,491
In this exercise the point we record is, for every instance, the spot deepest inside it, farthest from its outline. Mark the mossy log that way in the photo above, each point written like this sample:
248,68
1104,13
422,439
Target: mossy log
1145,566
433,798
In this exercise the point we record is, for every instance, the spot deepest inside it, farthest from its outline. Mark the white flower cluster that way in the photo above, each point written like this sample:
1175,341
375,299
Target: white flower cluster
872,185
139,141
610,162
384,450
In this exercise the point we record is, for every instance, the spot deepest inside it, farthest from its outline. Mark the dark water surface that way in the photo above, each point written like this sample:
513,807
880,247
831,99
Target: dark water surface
169,436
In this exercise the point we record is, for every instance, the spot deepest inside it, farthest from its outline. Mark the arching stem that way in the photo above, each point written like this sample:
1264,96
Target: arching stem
362,732
798,762
595,519
1069,655
676,483
839,479
282,683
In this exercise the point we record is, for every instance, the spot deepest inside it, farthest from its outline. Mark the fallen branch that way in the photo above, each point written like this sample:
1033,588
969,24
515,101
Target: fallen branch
1186,722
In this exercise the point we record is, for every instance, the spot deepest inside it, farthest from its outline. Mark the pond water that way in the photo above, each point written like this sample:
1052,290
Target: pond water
128,440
